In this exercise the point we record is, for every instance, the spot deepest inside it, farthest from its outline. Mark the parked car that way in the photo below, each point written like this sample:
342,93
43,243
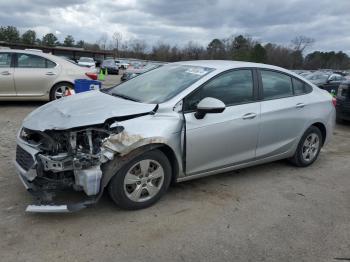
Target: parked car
326,80
122,64
32,75
88,62
131,73
110,65
181,121
343,102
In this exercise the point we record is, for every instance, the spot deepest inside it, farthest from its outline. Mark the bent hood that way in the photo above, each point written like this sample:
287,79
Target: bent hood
89,108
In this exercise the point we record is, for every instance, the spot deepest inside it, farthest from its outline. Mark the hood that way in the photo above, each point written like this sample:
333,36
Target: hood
84,109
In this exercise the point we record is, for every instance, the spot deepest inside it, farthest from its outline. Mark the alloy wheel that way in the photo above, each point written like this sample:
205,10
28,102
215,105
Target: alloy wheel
310,147
143,180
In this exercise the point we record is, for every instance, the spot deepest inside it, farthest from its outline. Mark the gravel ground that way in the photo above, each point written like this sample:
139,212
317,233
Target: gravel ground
272,212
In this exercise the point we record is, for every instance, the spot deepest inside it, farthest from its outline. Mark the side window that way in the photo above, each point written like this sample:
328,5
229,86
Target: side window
50,64
235,87
5,60
276,85
30,61
300,87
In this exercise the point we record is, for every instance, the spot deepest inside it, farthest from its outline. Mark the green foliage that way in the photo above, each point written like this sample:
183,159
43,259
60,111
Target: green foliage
49,40
258,54
9,34
29,37
333,60
69,41
241,48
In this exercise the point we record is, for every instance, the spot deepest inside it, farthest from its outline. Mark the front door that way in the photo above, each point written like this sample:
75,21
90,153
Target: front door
7,84
222,139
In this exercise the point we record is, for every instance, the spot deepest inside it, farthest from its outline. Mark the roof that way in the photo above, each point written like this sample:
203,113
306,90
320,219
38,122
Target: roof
228,64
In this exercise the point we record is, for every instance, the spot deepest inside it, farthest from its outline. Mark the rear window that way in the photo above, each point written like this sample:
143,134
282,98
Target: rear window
300,87
343,91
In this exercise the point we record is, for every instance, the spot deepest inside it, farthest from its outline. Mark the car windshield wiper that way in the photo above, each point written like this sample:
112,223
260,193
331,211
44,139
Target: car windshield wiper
125,97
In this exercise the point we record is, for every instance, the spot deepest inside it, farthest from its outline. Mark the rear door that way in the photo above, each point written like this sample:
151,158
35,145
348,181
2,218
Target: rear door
223,139
283,114
34,75
7,84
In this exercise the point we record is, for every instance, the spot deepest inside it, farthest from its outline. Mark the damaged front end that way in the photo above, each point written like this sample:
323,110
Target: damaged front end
51,161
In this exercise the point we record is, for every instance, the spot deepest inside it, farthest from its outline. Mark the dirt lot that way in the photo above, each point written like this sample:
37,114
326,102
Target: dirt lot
273,212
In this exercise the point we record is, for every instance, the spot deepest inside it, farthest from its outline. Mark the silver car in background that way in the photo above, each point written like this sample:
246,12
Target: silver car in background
33,75
178,122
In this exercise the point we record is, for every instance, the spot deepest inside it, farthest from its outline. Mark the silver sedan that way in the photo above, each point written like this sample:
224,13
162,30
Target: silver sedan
181,121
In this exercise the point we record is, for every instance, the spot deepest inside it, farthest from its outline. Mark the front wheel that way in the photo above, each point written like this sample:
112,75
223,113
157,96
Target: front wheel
308,148
142,181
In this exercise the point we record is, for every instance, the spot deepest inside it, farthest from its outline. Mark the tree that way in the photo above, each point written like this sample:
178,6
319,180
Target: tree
216,49
49,40
102,42
193,51
80,44
29,37
117,38
9,34
241,47
138,47
301,42
69,41
161,52
258,54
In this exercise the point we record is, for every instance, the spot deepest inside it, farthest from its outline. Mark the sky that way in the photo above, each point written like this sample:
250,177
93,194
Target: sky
180,21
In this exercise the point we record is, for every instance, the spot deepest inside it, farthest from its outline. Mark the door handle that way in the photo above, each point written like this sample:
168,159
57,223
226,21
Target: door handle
249,116
50,73
5,73
300,105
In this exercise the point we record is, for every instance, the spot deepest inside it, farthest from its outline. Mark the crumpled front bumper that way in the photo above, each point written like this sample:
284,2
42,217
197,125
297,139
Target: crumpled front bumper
27,178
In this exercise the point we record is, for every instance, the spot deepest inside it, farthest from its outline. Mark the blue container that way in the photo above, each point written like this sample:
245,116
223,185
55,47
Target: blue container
83,85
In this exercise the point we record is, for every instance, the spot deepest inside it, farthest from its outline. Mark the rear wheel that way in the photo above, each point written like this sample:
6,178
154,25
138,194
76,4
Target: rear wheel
59,90
142,181
308,148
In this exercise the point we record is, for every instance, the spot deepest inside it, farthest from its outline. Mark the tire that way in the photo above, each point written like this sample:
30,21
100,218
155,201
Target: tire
59,88
307,147
135,186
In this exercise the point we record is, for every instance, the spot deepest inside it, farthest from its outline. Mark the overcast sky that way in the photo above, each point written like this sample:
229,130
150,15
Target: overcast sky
180,21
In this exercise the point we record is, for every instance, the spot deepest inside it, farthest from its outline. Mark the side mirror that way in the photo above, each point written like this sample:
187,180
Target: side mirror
209,105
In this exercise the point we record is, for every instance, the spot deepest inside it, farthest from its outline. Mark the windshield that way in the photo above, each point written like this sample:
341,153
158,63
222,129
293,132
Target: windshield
161,84
317,76
85,59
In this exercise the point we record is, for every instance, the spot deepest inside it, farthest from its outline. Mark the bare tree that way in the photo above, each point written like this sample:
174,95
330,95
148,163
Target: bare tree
117,39
138,47
300,43
102,42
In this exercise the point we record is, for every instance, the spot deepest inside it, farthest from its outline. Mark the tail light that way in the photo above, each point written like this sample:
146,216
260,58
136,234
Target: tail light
334,101
92,76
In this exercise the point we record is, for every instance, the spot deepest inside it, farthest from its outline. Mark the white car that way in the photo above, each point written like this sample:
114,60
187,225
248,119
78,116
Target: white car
87,62
32,75
121,64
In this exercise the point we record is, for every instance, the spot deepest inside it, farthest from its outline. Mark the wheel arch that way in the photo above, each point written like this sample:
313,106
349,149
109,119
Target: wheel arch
110,168
59,83
323,130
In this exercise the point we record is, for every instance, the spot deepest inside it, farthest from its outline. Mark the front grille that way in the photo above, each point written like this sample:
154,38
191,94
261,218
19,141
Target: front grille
23,158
